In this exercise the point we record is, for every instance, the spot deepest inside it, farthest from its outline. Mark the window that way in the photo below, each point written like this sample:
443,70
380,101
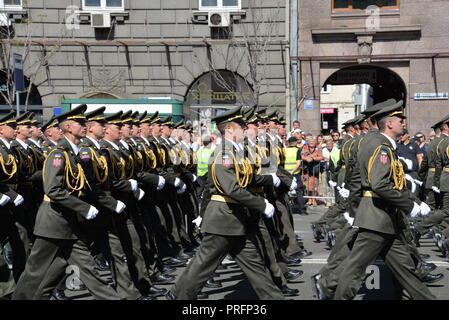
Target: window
220,4
345,5
11,4
103,5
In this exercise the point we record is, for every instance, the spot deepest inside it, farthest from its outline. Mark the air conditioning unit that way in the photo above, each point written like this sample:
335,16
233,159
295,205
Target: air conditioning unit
219,19
100,20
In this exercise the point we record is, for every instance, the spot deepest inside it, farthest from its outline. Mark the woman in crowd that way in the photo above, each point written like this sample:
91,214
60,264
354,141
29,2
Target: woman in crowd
311,156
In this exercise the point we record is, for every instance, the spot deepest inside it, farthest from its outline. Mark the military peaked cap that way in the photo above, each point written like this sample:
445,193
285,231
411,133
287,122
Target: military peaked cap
232,115
8,119
76,114
97,115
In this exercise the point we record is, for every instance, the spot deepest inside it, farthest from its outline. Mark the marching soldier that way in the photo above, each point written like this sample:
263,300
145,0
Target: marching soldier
280,273
59,238
434,197
150,209
226,223
52,134
381,225
150,182
26,174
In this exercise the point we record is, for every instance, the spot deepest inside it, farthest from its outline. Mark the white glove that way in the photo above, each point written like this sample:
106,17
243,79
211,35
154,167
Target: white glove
276,180
197,221
294,185
18,200
425,209
408,162
161,183
412,181
141,194
133,184
269,209
120,207
181,190
177,182
419,183
415,211
343,192
348,218
92,213
4,200
333,184
194,177
436,189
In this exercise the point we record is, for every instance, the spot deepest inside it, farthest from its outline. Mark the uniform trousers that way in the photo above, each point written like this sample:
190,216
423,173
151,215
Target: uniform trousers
213,249
367,247
47,265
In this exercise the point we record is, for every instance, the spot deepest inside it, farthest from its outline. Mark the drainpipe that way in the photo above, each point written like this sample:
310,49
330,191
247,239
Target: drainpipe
287,65
293,52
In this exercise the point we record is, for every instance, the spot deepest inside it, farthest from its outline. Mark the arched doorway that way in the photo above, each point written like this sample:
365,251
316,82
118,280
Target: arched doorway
99,95
352,89
215,92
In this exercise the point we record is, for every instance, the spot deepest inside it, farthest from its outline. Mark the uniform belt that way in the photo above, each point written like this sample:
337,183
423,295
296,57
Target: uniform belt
256,189
47,198
12,186
370,194
25,183
432,169
219,198
108,193
446,169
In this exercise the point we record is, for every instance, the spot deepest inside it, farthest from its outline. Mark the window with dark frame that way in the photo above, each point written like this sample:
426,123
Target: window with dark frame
348,5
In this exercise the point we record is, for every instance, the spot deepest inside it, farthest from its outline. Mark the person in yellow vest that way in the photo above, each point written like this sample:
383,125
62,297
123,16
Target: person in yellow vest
203,155
293,164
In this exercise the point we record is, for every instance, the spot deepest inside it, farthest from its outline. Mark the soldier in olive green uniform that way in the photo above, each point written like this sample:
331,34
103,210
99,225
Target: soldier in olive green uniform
9,200
26,173
331,220
432,182
59,237
380,215
226,223
280,273
325,282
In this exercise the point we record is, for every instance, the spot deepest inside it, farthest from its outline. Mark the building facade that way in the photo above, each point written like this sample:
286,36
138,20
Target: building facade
210,54
398,47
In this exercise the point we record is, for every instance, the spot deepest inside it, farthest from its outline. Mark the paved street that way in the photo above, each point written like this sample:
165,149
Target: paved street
236,287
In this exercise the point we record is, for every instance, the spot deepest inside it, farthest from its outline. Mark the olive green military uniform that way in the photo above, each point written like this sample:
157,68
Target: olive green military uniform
102,229
12,226
59,238
227,225
381,220
277,269
433,199
122,169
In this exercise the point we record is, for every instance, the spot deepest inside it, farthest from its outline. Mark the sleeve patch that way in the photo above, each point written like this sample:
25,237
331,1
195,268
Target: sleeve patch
84,155
57,160
383,158
226,160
